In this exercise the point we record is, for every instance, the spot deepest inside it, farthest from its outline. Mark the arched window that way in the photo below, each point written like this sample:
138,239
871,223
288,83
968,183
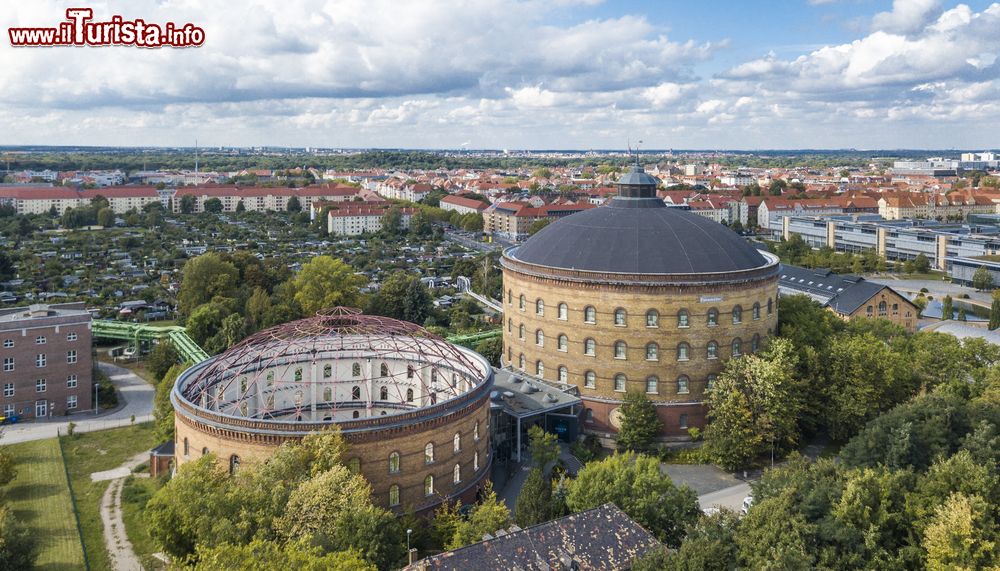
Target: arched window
434,398
434,376
522,362
328,394
589,314
620,317
713,317
737,315
711,381
394,463
540,338
713,350
883,308
394,495
356,370
355,393
298,398
755,343
539,307
270,378
620,383
620,350
510,297
652,352
756,311
770,306
683,349
234,464
429,485
870,311
409,371
563,374
563,311
409,395
456,474
562,342
327,371
429,453
589,347
682,385
540,369
475,461
683,318
186,449
510,325
475,432
383,370
521,302
354,465
356,414
298,374
737,347
520,332
590,380
652,318
244,408
652,385
204,451
383,393
243,385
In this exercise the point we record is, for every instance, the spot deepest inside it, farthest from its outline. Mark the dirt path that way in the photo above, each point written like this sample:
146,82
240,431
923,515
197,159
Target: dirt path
120,550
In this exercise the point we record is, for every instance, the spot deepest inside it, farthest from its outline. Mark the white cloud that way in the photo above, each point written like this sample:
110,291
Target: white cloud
906,16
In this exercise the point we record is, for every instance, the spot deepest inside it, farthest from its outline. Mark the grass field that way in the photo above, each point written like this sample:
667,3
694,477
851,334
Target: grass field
94,452
135,494
40,498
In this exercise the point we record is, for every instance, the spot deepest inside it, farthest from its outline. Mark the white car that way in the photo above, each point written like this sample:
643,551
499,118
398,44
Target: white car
747,502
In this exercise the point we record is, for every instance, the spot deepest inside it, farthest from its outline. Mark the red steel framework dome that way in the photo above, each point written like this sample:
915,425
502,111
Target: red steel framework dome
337,361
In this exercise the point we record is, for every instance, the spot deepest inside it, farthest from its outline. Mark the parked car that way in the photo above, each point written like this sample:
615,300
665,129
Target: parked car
747,502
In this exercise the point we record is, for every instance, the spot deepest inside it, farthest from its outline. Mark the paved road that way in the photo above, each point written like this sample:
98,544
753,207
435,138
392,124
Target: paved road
731,497
134,392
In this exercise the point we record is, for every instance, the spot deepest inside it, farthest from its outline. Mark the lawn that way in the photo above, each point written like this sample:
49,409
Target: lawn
40,498
135,494
94,452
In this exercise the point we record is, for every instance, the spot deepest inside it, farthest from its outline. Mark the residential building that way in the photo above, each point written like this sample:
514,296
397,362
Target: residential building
463,205
850,297
513,220
47,367
41,200
259,199
352,219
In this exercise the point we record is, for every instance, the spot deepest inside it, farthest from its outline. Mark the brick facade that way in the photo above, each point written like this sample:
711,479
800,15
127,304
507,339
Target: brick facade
677,352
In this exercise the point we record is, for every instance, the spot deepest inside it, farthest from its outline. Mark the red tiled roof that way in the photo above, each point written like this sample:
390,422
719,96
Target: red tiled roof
466,202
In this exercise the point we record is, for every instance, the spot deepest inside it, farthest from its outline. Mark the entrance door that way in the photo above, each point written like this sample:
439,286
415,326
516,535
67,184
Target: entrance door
41,408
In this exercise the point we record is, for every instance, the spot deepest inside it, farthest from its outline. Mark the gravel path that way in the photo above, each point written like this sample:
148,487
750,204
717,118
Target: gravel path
120,550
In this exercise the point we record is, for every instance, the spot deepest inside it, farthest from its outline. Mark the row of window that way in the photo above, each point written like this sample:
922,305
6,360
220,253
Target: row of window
652,315
41,360
40,385
39,340
355,372
41,406
682,419
652,349
681,385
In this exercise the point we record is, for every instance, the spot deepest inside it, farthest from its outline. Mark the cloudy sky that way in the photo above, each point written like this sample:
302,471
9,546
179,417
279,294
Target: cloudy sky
512,74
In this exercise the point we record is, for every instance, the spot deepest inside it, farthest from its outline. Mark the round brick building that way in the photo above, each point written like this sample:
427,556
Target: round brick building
636,295
412,408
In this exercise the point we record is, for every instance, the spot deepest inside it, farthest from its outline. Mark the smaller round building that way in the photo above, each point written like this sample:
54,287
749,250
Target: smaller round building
412,408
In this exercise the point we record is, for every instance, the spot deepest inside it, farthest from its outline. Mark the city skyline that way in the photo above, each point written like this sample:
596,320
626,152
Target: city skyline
531,75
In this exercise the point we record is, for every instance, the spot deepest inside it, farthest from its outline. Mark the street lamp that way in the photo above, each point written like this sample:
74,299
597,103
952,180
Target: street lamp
408,532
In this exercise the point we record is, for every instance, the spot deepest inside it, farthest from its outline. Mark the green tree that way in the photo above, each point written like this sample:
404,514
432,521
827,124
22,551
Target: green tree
492,349
8,467
420,224
392,222
962,535
754,407
921,264
293,204
635,484
204,278
325,282
191,507
710,545
947,309
163,356
205,323
317,504
256,308
776,535
163,411
534,502
187,204
240,207
261,555
232,331
543,447
18,544
995,311
537,226
213,205
106,217
776,187
488,516
982,279
639,423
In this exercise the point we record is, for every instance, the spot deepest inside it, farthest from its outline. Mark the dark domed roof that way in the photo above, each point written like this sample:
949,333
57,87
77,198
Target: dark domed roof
639,236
